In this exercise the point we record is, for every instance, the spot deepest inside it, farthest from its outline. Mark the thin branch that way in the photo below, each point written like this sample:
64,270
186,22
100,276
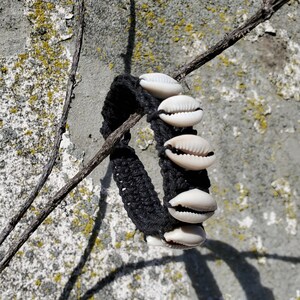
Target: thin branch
60,130
267,10
69,186
263,14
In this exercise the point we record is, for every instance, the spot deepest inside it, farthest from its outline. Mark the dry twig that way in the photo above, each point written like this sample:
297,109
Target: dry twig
69,186
267,10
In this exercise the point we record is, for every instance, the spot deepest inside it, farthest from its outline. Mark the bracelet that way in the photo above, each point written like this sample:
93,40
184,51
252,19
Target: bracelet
183,159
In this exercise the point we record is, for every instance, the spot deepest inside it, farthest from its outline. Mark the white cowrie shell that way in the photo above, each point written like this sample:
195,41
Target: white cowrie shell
154,241
184,237
187,235
200,205
160,85
197,154
182,111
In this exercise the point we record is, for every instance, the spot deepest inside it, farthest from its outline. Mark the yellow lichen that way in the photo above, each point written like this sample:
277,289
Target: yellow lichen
20,253
111,65
99,243
78,286
282,189
118,245
197,88
211,9
48,54
162,21
290,211
38,282
242,199
88,227
241,86
176,27
57,277
259,113
225,60
145,138
240,73
218,262
188,27
176,276
13,110
84,191
145,6
48,221
239,235
129,235
4,69
33,99
28,132
39,244
219,191
94,274
137,277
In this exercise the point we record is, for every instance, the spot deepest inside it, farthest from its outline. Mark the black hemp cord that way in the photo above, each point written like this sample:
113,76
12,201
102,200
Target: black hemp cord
141,201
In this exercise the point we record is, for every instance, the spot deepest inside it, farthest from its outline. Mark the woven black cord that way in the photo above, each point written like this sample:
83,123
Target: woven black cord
140,199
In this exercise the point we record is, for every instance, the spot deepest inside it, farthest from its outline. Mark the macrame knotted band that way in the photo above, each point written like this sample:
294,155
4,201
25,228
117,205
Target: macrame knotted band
126,96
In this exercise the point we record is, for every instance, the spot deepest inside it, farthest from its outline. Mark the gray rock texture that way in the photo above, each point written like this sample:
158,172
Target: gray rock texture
88,248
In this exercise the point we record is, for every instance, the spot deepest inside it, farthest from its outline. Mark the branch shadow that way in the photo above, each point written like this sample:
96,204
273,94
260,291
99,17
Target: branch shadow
127,57
202,278
254,255
105,183
247,275
126,270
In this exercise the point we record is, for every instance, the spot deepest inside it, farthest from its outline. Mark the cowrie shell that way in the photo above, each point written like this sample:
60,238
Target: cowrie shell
193,206
181,111
187,235
155,241
160,85
196,153
184,237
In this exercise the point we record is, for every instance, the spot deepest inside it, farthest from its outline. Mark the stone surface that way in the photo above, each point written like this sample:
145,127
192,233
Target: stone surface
88,248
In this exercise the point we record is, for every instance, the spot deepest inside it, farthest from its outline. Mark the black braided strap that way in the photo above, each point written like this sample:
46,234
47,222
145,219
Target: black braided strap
140,199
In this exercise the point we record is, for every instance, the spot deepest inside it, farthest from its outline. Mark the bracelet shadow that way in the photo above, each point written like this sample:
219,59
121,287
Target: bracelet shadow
196,264
202,278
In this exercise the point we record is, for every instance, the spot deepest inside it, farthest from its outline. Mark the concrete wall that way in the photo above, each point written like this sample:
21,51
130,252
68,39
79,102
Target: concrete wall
250,95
